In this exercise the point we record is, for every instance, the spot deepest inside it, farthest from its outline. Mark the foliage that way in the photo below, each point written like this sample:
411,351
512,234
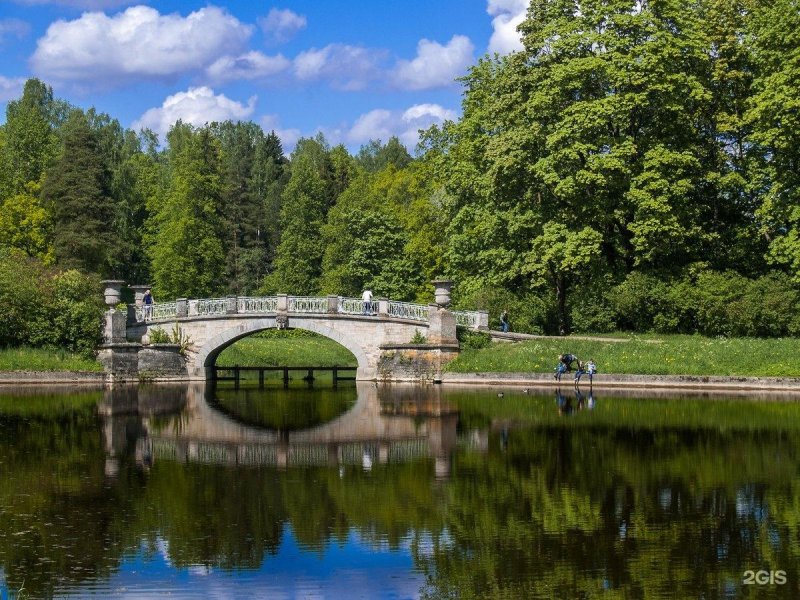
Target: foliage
469,339
418,338
77,192
48,308
159,336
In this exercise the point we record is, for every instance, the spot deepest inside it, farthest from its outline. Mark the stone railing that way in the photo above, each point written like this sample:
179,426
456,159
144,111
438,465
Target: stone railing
209,306
156,312
469,319
271,305
259,305
307,304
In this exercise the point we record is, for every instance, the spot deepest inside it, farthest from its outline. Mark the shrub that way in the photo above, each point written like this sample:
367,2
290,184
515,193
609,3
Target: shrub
46,308
159,336
418,338
473,339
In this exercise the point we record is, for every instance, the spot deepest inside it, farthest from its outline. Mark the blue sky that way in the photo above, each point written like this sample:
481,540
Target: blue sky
356,70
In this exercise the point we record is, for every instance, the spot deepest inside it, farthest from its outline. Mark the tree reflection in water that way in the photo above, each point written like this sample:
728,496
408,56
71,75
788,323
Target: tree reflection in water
671,498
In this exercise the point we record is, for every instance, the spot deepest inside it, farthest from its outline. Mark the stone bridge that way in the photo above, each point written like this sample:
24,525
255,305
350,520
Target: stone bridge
379,333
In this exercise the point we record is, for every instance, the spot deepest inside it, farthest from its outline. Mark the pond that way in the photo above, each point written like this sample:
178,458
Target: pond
368,491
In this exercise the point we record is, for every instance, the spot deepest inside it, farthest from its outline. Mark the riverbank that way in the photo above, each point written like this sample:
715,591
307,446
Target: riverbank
683,355
618,381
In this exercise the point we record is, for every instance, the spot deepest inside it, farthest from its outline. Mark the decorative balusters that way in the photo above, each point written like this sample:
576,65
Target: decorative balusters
467,318
265,304
406,310
356,306
210,306
308,304
155,312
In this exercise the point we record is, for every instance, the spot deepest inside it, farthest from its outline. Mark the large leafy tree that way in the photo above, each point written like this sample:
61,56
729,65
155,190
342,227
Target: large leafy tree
774,115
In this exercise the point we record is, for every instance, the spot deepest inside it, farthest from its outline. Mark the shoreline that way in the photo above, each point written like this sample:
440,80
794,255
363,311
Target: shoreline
674,382
626,381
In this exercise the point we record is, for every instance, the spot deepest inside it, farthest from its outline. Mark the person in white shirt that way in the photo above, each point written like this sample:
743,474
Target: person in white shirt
367,298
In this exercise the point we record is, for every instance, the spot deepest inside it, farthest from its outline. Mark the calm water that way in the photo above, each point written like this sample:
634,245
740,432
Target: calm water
396,492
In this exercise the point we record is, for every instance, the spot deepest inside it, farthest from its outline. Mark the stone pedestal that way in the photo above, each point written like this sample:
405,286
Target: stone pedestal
115,327
120,361
442,329
333,305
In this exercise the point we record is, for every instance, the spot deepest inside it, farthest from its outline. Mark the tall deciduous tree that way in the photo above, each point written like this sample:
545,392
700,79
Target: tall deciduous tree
774,115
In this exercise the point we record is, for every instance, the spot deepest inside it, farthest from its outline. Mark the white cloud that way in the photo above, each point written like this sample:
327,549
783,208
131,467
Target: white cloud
508,14
13,28
196,106
11,87
288,136
83,4
252,65
136,43
435,65
345,67
382,124
280,26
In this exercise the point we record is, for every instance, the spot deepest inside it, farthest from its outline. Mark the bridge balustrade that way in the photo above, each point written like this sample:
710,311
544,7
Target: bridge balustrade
407,310
209,306
308,304
298,304
154,312
249,304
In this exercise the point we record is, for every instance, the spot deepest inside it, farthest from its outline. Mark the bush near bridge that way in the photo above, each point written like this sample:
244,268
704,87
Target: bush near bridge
48,308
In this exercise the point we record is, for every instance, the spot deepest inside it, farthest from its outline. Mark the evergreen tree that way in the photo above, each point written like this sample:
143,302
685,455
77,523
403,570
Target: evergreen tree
77,192
305,202
185,240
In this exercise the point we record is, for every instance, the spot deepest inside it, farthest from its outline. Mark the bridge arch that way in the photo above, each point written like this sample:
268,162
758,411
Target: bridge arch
211,349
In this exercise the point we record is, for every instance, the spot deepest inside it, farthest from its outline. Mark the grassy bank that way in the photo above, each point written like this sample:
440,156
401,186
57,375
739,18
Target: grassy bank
647,355
38,359
293,348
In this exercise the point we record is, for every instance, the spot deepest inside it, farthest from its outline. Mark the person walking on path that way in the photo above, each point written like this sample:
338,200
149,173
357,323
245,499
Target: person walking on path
504,322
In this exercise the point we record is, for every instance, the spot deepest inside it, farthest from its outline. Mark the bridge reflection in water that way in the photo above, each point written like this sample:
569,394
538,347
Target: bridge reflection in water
390,424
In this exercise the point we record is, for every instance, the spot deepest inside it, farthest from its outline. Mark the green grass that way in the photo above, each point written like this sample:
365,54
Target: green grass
647,355
293,348
39,359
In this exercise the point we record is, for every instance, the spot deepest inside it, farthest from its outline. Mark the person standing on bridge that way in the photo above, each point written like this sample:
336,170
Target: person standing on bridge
366,297
147,301
504,326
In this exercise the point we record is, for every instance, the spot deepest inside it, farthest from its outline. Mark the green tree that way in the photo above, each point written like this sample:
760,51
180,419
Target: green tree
774,115
305,202
185,230
31,140
560,257
77,192
26,225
